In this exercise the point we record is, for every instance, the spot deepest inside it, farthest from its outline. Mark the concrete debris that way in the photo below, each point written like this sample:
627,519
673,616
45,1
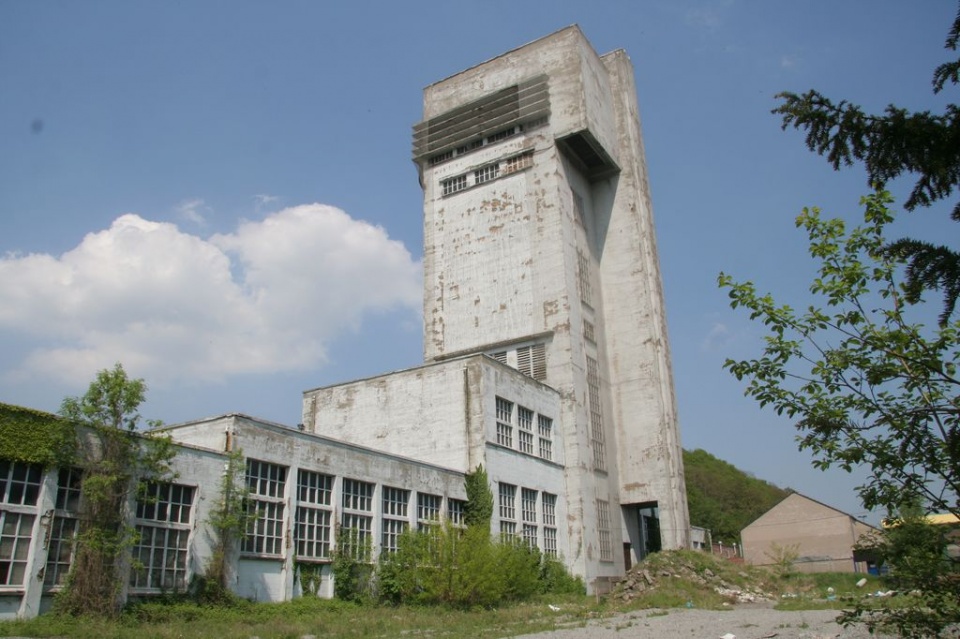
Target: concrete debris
643,578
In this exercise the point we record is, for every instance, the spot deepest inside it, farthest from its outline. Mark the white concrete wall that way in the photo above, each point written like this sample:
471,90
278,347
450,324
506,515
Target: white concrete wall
650,459
501,266
419,414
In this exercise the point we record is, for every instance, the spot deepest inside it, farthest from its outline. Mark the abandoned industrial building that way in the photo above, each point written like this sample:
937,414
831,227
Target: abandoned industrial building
546,361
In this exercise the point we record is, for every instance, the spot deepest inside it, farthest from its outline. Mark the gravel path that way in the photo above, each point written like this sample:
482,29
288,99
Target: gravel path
743,622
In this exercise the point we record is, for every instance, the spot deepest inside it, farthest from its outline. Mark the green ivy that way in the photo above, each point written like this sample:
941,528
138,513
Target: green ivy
35,437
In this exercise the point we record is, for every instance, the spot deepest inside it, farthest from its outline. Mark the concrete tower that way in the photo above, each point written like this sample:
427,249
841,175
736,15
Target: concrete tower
539,250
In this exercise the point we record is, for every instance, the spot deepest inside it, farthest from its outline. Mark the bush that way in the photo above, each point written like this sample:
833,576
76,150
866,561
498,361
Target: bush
465,568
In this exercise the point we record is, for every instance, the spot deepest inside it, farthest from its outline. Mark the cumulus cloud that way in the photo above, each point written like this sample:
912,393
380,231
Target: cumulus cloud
265,298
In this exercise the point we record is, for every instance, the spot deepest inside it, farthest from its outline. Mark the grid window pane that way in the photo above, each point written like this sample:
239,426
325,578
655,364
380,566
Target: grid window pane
160,558
395,501
549,505
166,502
265,528
528,505
60,550
596,415
530,532
395,508
428,509
504,422
266,480
266,483
357,495
603,530
20,482
15,534
508,495
357,532
312,533
455,511
313,516
392,529
550,541
314,488
68,489
545,434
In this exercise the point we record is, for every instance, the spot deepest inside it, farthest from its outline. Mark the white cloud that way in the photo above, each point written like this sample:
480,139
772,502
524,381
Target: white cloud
193,211
266,298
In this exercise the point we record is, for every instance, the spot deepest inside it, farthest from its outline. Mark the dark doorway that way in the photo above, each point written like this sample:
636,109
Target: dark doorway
649,516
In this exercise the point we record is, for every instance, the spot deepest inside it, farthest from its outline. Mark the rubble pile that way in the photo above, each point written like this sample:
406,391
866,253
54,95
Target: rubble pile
647,575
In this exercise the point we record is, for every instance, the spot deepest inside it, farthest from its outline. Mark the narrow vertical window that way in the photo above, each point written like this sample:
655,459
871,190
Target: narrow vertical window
163,532
356,524
504,422
596,416
545,436
266,483
603,531
313,517
395,518
507,494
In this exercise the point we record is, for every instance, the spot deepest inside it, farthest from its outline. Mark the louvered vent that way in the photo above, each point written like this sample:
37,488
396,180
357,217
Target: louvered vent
532,361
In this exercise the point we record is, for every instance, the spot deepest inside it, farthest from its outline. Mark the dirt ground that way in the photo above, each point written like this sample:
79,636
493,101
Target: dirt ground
742,622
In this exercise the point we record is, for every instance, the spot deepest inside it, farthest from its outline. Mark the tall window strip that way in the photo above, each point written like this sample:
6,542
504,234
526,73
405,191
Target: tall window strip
266,484
19,491
455,508
504,422
314,515
63,528
507,494
525,429
428,509
596,416
548,504
528,514
545,436
589,331
550,541
357,521
583,277
395,518
603,530
163,530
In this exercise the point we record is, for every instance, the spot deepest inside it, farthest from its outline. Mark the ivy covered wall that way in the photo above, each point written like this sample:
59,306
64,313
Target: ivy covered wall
33,436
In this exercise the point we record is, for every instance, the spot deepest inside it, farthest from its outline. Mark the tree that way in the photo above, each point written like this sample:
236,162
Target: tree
868,383
899,141
115,460
478,510
722,498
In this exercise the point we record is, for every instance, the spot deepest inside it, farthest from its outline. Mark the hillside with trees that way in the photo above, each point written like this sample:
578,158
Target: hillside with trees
723,498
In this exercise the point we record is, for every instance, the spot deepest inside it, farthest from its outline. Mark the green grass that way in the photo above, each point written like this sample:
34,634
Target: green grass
335,619
311,616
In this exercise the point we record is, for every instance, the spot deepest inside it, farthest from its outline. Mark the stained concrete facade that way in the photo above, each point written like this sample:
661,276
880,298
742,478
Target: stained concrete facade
822,536
538,231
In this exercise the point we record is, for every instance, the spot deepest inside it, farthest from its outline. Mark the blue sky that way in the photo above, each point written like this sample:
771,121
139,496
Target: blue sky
221,196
